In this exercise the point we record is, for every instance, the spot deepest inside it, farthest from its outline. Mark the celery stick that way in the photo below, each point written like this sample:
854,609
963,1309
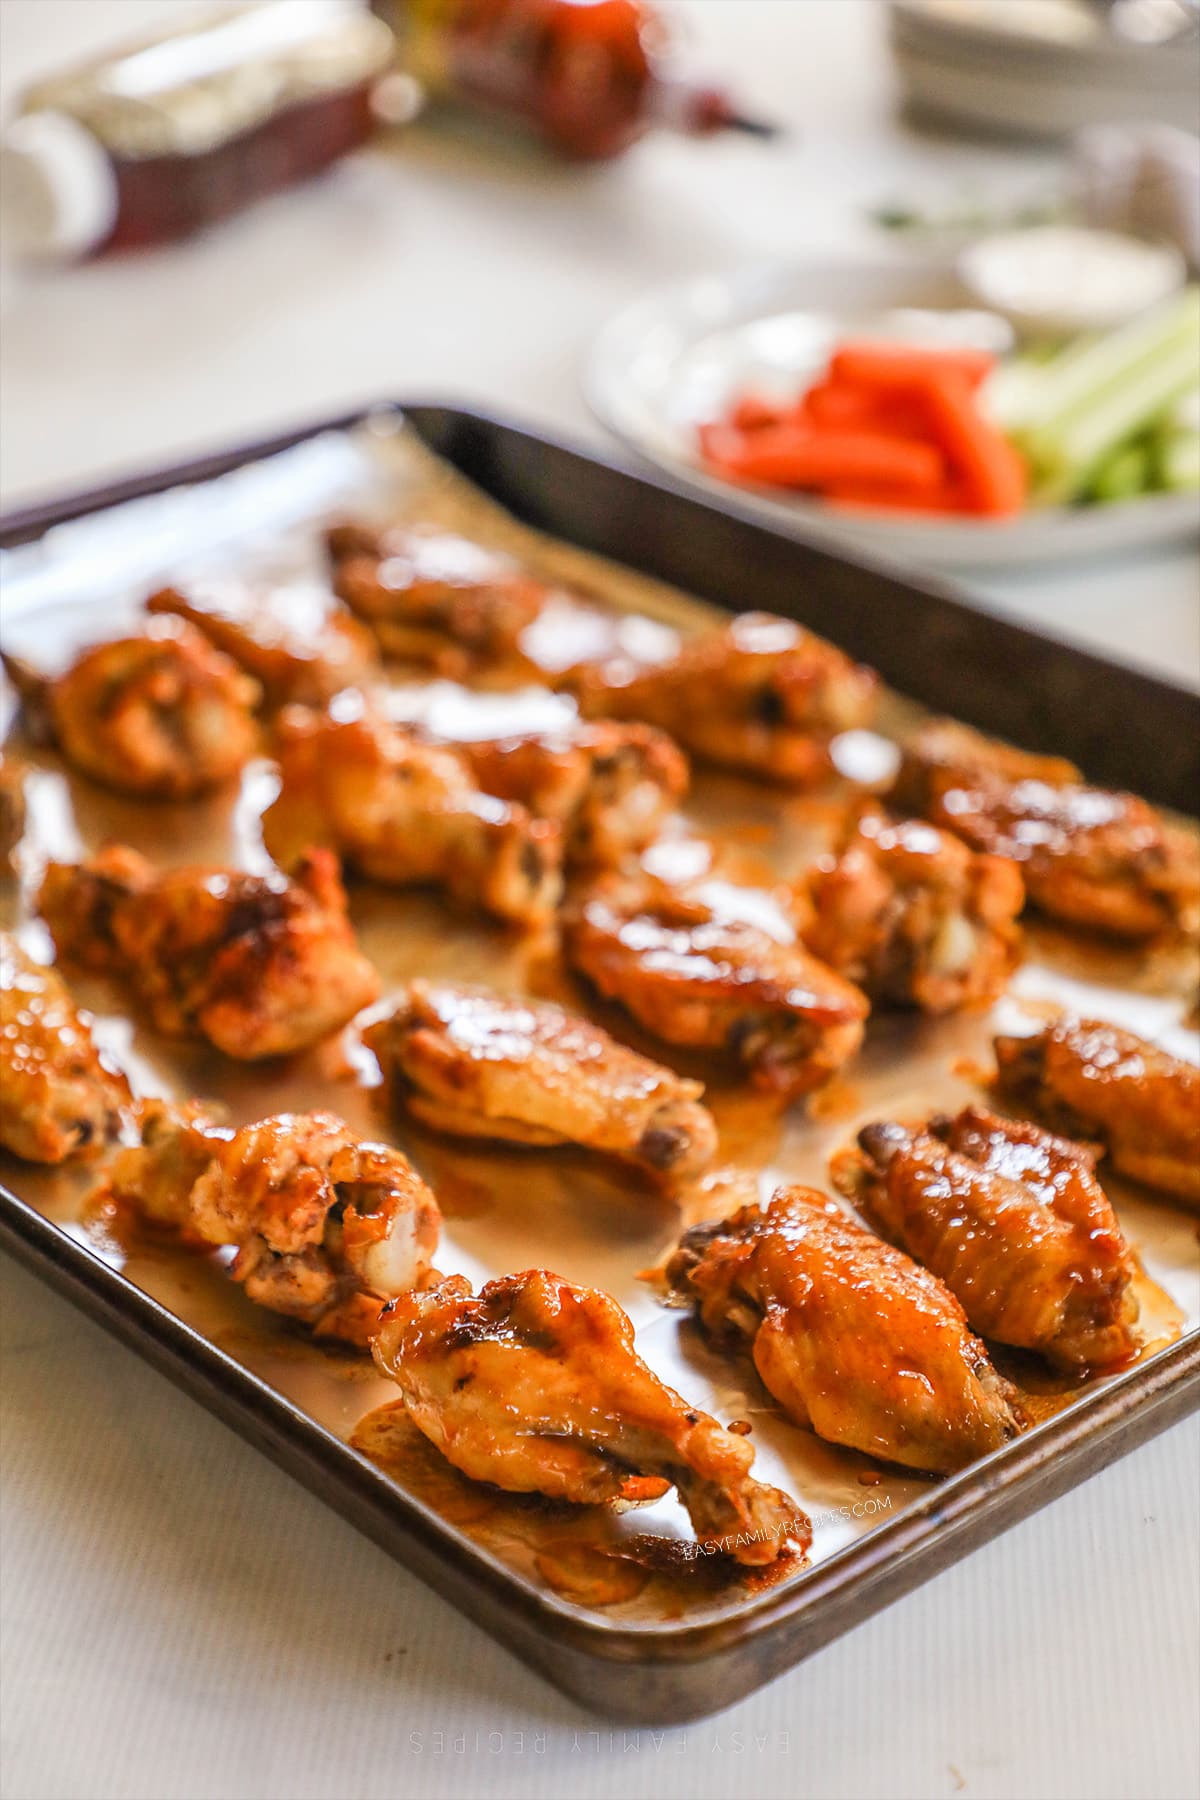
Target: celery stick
1179,462
1074,376
1124,474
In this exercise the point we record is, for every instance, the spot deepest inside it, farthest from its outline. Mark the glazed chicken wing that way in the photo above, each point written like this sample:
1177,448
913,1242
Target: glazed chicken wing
163,715
1013,1221
913,916
760,695
851,1336
485,1065
260,965
294,639
1102,860
407,812
12,809
59,1095
432,597
1094,1080
535,1385
326,1226
717,984
610,786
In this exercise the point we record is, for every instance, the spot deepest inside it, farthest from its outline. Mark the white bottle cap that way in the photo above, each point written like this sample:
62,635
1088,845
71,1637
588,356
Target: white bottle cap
58,189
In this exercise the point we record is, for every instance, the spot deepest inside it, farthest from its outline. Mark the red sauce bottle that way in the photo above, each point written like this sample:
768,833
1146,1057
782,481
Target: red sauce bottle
161,138
587,76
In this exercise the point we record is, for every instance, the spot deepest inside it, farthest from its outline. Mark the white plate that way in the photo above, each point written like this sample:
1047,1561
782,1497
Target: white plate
675,358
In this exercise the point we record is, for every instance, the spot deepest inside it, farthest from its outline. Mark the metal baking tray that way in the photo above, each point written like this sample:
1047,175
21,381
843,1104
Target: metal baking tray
299,1404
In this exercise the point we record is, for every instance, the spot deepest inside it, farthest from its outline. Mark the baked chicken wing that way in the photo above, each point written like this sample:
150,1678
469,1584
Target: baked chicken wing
408,812
913,916
260,965
535,1385
59,1095
692,978
326,1226
12,809
485,1065
760,695
434,598
1013,1221
1102,860
163,715
1093,1080
610,786
293,639
851,1336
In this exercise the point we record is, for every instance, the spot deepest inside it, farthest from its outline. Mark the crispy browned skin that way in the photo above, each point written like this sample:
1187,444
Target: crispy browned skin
163,715
1094,1080
760,694
610,786
1102,860
1013,1221
407,812
260,965
326,1226
59,1095
535,1385
851,1336
295,640
12,809
486,1065
913,916
432,597
691,978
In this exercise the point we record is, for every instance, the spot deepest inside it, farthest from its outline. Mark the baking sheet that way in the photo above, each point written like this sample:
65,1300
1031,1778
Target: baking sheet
509,1210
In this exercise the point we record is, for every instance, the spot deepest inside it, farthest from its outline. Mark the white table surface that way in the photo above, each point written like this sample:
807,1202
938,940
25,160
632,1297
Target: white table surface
179,1619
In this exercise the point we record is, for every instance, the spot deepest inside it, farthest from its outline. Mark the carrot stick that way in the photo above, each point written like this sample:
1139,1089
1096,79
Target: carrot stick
993,472
844,407
906,365
752,411
793,456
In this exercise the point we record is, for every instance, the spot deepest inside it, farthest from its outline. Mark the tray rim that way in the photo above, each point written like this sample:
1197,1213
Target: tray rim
774,1629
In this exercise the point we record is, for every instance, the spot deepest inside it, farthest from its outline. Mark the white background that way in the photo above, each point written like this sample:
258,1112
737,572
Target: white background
178,1618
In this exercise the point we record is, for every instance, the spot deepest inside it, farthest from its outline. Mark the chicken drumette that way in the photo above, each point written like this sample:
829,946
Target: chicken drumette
693,978
535,1385
408,812
1013,1221
851,1336
58,1093
485,1065
610,786
12,809
260,965
326,1226
294,639
913,916
1102,860
163,715
432,597
761,695
1093,1080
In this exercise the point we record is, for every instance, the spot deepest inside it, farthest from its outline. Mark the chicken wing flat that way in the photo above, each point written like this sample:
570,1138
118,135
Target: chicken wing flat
434,598
1013,1221
535,1385
913,916
163,715
760,695
486,1065
1093,1080
326,1226
692,978
407,812
610,786
1102,860
59,1095
294,639
851,1336
260,965
12,809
